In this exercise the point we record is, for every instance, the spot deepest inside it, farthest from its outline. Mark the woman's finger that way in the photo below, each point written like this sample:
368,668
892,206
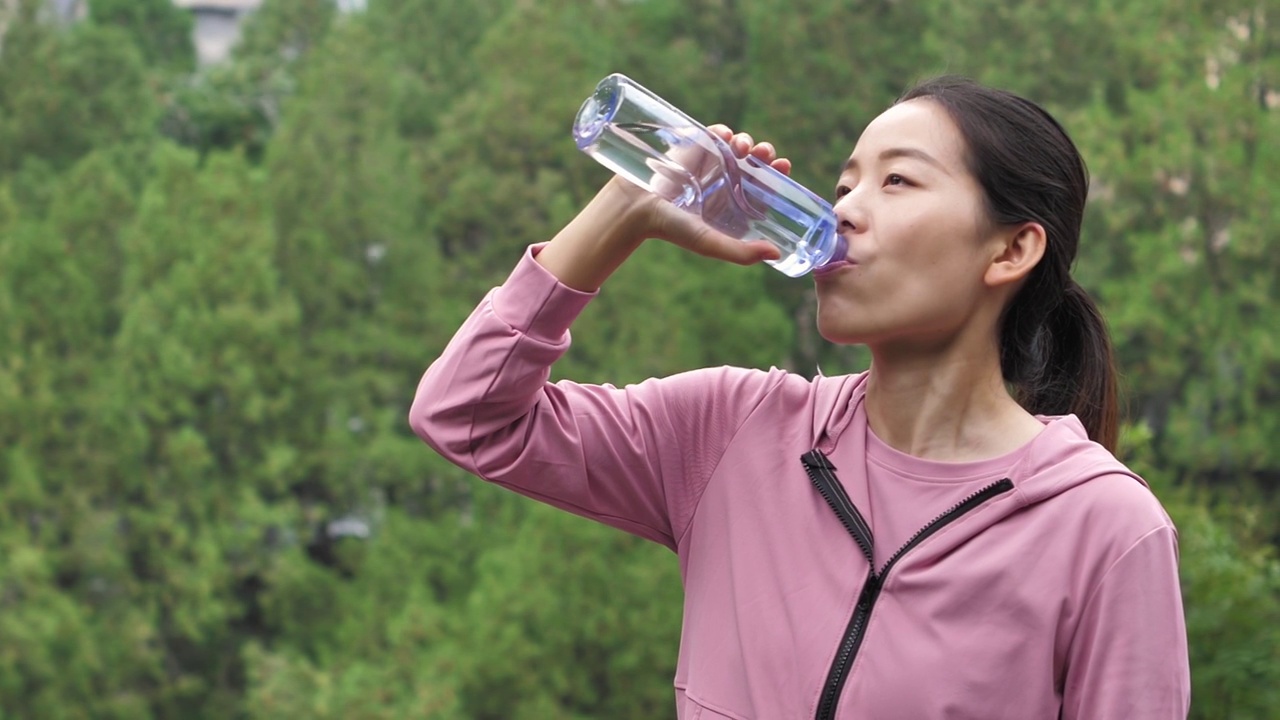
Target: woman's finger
713,244
721,131
743,145
691,233
765,151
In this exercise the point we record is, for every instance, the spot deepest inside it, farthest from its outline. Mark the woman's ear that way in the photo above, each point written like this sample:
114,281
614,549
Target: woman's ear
1017,253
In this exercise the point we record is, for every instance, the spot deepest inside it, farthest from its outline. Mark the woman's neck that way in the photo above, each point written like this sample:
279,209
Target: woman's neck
949,406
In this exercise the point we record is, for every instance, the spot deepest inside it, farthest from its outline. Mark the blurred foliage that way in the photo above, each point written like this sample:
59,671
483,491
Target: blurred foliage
219,286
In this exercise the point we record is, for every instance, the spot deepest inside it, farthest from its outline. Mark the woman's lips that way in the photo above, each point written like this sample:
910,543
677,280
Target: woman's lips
833,267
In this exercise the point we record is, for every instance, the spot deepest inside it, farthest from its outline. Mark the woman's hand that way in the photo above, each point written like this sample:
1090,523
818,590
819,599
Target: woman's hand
622,215
743,145
667,222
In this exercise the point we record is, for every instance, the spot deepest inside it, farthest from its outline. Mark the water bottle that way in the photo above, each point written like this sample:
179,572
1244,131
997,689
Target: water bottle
646,140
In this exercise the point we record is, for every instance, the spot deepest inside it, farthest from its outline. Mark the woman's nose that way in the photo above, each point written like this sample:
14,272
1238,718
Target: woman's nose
850,214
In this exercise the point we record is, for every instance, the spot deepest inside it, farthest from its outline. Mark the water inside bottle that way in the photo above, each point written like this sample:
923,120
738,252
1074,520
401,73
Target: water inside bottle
690,167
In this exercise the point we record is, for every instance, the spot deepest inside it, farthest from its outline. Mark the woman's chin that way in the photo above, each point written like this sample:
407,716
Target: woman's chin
840,333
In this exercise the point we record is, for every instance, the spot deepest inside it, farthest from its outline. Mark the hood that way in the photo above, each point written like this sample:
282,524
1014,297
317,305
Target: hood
835,400
1060,458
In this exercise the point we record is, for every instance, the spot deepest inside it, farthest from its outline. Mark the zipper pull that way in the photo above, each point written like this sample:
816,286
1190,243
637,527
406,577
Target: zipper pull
816,459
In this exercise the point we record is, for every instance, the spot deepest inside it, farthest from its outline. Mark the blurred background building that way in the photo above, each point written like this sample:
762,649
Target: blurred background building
217,26
214,32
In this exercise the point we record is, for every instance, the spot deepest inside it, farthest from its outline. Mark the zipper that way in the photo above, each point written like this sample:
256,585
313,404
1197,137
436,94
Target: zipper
822,474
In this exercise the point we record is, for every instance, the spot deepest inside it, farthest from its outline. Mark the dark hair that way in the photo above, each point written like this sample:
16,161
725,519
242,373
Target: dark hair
1054,348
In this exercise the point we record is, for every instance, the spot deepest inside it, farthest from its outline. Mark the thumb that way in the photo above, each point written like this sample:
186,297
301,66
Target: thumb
708,242
689,231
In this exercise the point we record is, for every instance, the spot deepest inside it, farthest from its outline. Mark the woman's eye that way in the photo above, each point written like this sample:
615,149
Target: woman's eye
895,179
841,192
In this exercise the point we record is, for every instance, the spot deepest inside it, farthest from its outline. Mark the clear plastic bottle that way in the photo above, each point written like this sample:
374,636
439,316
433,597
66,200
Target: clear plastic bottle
643,138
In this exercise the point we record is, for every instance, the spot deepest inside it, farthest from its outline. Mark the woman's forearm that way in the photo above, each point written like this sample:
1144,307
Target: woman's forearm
592,246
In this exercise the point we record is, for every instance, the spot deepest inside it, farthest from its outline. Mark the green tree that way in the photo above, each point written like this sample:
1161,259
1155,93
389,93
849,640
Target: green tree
1231,589
375,633
161,30
1184,209
596,610
351,249
239,104
203,374
432,43
65,92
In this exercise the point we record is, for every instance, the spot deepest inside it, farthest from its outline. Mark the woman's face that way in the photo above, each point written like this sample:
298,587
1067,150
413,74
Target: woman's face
919,242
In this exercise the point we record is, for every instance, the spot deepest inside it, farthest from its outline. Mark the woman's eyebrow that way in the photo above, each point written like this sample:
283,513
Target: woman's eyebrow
909,152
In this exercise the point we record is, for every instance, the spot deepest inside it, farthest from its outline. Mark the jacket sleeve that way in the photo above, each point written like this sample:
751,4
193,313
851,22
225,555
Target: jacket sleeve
636,458
1129,657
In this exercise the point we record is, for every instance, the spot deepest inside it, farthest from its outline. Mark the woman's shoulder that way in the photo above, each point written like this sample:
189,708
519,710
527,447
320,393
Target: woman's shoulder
1090,480
1122,500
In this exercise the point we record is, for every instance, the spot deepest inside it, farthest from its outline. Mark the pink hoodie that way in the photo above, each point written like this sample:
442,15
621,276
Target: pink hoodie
1053,593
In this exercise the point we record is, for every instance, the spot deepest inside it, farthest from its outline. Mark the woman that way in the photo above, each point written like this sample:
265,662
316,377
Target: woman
946,535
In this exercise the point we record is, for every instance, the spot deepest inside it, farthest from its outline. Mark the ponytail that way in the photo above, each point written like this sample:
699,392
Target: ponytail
1061,362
